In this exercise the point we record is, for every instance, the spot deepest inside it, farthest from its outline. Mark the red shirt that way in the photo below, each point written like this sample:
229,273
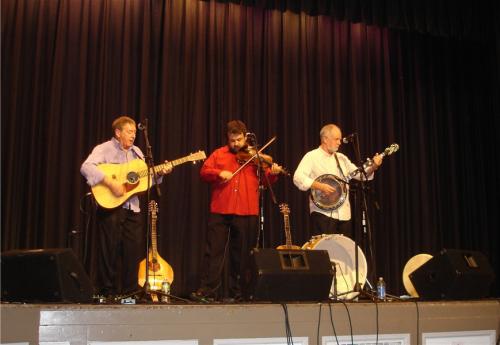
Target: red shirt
240,194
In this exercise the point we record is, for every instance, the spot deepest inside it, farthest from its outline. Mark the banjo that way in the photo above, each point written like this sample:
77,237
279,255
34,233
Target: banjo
333,201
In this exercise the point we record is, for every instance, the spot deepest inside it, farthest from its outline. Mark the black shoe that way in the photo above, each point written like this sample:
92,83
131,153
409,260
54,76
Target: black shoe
237,298
201,296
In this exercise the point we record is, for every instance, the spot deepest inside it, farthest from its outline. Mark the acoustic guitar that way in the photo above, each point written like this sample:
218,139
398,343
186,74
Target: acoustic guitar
134,176
285,210
159,270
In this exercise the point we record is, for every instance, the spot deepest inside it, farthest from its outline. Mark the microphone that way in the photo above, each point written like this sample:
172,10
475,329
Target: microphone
142,126
250,138
349,138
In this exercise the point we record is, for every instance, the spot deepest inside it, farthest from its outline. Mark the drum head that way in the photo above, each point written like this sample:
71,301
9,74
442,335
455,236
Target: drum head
341,252
410,267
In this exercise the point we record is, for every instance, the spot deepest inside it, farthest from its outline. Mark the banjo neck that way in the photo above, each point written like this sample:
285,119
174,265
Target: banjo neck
369,165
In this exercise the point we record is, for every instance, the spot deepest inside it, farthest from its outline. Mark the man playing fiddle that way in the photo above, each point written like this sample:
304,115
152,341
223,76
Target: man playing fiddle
234,209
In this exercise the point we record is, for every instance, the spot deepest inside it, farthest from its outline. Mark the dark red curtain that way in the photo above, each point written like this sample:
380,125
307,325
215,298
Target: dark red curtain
70,67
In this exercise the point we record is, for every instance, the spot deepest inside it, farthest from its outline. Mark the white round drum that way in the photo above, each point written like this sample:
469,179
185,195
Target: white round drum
341,252
411,266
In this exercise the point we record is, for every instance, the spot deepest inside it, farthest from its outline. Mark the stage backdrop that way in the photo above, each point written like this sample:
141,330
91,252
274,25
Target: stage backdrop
420,75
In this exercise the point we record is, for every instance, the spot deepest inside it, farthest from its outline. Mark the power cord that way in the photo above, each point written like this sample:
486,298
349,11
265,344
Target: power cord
350,321
319,324
288,330
331,322
418,322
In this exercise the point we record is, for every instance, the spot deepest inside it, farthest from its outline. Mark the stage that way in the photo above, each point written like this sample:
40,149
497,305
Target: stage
439,322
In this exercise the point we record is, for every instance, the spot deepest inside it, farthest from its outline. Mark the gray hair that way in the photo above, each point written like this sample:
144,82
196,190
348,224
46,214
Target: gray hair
326,130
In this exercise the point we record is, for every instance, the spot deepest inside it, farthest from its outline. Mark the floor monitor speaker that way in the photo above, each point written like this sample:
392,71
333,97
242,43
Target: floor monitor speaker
289,275
44,275
454,274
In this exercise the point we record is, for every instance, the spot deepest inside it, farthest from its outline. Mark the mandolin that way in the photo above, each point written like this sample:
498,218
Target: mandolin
134,176
159,270
285,210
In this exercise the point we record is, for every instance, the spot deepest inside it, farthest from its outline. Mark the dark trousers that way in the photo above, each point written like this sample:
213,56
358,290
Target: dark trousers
121,249
321,224
228,236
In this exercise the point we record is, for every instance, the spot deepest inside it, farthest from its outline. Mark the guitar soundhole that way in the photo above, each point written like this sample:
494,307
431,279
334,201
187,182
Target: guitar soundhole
132,177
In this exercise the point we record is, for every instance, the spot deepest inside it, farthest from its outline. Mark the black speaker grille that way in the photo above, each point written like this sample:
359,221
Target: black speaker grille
44,275
454,274
289,275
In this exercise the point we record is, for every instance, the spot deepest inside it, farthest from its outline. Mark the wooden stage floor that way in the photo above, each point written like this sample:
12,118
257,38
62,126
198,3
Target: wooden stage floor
471,322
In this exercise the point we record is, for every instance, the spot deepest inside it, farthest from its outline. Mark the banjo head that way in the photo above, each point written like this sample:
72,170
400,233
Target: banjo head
331,201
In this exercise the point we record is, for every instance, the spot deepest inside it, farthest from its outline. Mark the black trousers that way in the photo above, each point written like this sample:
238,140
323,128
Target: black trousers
121,248
230,236
321,224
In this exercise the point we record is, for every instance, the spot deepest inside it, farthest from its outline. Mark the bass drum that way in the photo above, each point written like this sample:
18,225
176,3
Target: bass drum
341,252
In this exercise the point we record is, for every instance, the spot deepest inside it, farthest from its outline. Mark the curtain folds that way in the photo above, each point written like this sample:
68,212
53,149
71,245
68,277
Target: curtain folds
70,67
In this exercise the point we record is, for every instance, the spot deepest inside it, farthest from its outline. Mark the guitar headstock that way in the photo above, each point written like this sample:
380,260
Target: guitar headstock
153,208
285,209
391,149
197,156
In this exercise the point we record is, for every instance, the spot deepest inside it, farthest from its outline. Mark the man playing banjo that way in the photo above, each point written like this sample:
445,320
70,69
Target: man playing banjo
325,172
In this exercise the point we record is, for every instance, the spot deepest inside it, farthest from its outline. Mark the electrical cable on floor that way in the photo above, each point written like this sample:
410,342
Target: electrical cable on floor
289,337
319,324
376,321
350,322
418,322
331,322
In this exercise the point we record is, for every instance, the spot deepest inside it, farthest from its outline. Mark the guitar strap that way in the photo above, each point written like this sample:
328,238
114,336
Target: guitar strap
339,167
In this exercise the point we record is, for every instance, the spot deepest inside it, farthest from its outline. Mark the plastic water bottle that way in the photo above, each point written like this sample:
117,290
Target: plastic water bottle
165,288
381,289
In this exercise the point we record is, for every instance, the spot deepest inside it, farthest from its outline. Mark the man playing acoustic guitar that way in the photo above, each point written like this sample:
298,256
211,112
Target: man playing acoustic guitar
120,228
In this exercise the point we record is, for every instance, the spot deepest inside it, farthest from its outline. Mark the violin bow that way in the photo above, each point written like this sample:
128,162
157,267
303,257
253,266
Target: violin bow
251,158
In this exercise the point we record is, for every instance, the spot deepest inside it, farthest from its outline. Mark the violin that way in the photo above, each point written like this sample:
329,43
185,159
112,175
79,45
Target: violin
249,152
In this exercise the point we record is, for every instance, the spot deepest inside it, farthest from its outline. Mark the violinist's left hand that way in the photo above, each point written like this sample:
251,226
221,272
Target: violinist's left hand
167,169
275,169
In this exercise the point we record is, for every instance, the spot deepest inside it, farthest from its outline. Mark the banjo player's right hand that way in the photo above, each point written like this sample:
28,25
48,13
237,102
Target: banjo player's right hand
324,188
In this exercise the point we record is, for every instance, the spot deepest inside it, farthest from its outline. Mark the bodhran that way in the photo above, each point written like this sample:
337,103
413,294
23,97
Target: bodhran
340,249
411,266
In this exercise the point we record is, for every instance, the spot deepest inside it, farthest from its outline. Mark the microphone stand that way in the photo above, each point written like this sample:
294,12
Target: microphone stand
364,222
146,289
260,171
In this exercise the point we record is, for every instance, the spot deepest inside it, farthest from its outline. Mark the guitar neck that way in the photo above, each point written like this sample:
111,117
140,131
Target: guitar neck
159,167
154,248
173,163
288,234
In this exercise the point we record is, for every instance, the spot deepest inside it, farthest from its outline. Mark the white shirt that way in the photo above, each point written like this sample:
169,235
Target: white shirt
319,162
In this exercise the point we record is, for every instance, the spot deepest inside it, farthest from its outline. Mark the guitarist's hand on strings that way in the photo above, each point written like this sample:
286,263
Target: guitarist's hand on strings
116,188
